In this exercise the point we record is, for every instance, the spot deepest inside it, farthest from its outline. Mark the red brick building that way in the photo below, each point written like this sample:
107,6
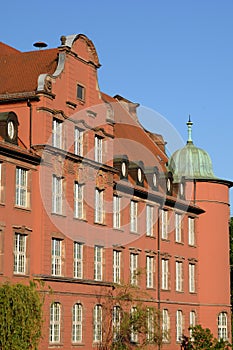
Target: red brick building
88,197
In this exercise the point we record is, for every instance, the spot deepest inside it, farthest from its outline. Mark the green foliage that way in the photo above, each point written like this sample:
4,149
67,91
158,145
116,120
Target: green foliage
20,316
202,338
127,297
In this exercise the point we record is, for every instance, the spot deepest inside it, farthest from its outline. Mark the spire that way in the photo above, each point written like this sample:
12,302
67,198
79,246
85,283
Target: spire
189,124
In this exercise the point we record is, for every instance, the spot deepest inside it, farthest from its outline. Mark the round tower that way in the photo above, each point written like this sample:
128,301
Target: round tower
205,190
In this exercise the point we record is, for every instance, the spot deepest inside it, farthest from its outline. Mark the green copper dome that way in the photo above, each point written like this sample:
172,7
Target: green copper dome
191,161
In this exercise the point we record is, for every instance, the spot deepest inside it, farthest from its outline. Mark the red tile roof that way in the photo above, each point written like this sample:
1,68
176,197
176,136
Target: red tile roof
130,136
19,71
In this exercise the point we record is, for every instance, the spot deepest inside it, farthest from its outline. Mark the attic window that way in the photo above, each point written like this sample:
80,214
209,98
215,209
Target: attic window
80,92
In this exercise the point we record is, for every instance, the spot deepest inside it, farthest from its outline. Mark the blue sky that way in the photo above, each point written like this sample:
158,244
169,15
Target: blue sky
172,57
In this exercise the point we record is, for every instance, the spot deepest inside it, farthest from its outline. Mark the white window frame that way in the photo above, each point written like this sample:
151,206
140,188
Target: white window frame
55,322
78,260
133,334
78,201
191,231
192,278
20,250
179,325
116,321
178,228
116,212
149,220
149,272
165,325
57,133
222,326
134,269
165,274
133,216
98,149
97,324
99,206
164,224
192,322
179,276
116,266
98,263
56,257
77,323
57,194
78,141
21,188
150,324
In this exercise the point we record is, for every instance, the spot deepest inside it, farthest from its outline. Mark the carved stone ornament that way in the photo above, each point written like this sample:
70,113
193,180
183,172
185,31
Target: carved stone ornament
81,174
101,180
48,84
58,165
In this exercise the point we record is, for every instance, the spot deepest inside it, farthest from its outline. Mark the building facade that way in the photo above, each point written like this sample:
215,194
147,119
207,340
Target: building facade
90,201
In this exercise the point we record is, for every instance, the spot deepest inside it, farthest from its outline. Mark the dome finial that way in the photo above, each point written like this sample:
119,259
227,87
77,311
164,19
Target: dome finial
189,124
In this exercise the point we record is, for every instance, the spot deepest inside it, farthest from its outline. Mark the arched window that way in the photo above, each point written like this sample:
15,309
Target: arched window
77,318
55,322
222,326
179,325
116,322
165,325
97,324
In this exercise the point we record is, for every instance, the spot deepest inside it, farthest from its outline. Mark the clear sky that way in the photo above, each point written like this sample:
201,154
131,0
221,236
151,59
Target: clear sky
174,57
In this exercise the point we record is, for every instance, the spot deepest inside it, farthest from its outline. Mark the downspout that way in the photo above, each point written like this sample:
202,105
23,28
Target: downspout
194,190
30,123
158,274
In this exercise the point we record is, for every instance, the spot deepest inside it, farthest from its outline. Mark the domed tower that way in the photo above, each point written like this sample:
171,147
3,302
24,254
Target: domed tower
193,165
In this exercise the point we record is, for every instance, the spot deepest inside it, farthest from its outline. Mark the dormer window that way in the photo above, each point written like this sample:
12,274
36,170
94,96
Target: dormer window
80,92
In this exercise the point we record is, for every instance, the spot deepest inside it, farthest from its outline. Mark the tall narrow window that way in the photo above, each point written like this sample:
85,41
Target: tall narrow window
99,206
77,318
222,326
164,224
80,92
133,268
178,231
191,231
179,325
78,201
116,212
116,266
165,274
78,260
98,149
134,333
57,133
133,216
150,324
55,322
57,195
116,322
56,257
97,324
22,193
149,271
192,268
98,263
165,325
179,276
78,142
20,253
149,220
192,321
